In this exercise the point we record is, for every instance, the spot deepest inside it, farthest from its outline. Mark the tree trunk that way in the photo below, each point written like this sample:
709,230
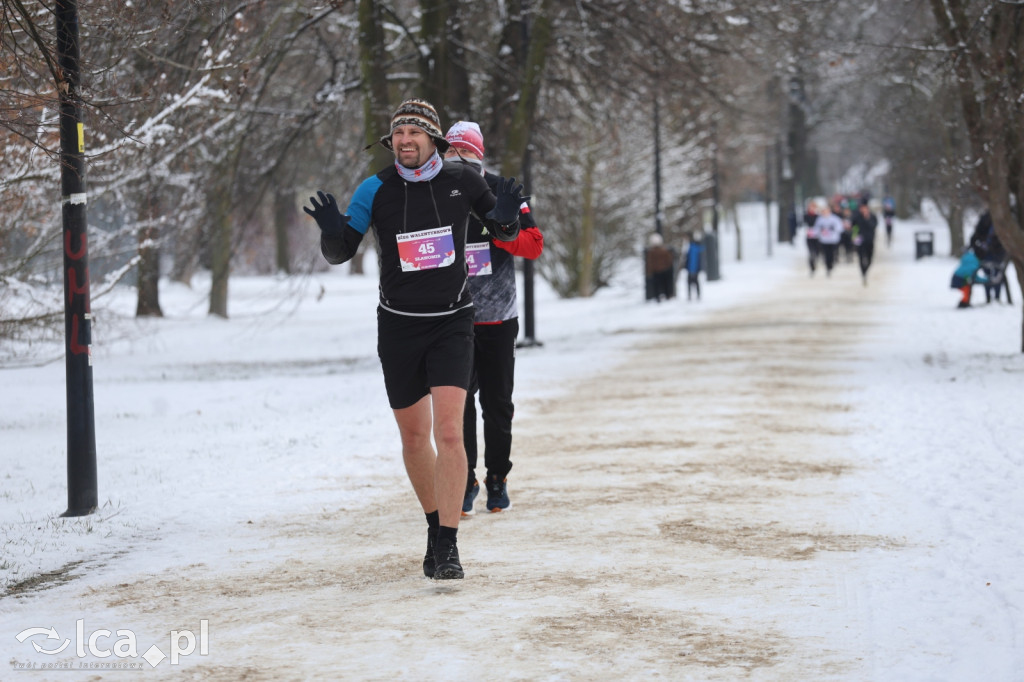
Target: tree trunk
739,232
1006,220
445,80
373,66
796,150
956,227
784,188
1018,267
587,225
505,77
218,203
285,215
530,80
187,246
148,269
376,107
810,184
1002,131
904,202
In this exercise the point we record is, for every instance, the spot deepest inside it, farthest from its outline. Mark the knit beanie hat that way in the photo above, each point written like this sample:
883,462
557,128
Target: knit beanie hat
420,113
466,135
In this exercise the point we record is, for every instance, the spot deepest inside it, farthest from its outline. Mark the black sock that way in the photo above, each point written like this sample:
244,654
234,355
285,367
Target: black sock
433,520
446,533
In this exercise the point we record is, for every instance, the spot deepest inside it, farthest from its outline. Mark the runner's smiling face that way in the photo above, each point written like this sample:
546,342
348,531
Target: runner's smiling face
413,147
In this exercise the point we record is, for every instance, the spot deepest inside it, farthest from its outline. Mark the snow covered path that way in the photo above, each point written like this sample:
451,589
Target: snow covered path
701,507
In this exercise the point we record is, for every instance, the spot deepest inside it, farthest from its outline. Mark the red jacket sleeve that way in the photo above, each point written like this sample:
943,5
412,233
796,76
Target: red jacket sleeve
528,244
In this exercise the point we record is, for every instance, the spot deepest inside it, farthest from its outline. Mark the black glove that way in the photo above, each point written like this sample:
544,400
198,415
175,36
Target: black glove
332,222
509,199
506,233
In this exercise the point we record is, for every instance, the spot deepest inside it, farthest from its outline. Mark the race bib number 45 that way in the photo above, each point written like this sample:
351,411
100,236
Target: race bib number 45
426,249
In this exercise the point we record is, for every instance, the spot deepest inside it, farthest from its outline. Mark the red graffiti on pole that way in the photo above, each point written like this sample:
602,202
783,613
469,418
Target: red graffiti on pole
74,289
73,255
76,348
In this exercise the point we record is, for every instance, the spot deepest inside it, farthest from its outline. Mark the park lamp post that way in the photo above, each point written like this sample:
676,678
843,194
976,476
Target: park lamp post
658,225
529,309
529,315
82,489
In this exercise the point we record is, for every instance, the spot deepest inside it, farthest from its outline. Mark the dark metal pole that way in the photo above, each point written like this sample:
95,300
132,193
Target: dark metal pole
715,196
529,325
657,166
82,490
711,243
768,196
529,328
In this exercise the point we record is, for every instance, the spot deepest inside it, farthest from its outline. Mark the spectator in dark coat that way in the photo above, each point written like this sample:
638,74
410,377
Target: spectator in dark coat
993,257
659,268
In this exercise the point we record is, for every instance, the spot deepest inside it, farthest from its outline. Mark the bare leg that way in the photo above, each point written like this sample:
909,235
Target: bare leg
439,479
451,470
414,425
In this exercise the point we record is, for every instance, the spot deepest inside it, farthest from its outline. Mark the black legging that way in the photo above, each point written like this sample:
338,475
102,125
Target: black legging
865,252
493,377
829,252
813,249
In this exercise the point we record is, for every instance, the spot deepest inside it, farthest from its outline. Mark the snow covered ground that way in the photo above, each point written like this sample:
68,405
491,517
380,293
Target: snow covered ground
239,460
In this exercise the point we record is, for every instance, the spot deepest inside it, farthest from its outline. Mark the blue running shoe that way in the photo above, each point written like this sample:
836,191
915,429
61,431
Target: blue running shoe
467,502
497,494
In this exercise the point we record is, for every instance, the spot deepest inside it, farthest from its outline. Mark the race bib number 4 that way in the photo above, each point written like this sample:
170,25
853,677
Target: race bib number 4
426,249
478,258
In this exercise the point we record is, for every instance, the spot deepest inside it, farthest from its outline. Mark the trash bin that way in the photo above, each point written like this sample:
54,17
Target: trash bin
710,256
924,243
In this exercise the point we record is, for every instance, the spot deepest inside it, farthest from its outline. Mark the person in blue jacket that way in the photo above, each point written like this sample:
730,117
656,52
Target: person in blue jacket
694,259
419,209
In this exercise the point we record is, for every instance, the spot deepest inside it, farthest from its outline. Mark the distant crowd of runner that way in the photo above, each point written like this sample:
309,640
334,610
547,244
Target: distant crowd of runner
843,226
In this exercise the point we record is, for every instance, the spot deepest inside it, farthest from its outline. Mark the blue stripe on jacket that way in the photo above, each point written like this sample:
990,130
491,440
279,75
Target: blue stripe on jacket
361,206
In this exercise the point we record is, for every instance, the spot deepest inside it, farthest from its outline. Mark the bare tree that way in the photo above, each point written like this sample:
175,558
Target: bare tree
985,43
210,123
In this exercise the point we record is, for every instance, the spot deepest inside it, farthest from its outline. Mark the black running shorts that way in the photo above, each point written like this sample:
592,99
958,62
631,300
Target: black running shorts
417,353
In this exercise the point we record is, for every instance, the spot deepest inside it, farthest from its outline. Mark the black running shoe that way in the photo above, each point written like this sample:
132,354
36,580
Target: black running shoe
446,561
429,562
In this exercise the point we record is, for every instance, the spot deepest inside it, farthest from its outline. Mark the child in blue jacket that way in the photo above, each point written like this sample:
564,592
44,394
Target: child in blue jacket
967,273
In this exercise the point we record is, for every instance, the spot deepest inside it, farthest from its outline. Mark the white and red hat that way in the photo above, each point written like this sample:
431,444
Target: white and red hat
466,135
